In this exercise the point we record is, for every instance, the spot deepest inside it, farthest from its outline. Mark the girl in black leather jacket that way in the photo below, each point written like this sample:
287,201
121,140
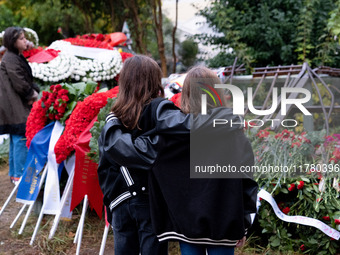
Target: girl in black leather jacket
203,213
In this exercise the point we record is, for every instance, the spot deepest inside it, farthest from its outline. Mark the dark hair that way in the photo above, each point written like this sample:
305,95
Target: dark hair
200,78
139,83
10,37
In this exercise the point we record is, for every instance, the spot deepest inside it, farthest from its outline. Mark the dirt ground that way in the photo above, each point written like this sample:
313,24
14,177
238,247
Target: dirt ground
13,243
62,243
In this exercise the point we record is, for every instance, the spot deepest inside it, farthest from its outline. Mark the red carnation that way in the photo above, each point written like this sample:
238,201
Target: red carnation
51,116
57,87
280,205
286,210
62,92
337,221
326,218
336,153
302,247
81,116
65,98
45,94
292,187
295,143
36,120
300,186
61,110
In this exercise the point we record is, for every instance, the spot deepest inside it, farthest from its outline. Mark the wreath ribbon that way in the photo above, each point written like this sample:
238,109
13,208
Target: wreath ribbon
331,232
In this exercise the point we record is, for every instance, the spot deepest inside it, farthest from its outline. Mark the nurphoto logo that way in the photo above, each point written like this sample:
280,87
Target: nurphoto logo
239,105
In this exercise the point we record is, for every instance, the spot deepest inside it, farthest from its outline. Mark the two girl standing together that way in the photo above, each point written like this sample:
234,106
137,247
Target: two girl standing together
144,169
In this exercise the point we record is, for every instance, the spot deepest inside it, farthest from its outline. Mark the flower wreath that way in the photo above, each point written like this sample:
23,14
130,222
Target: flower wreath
80,118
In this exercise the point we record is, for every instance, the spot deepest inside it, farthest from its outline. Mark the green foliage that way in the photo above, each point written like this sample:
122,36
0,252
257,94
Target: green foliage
222,59
280,32
97,128
312,193
7,17
188,52
45,17
77,92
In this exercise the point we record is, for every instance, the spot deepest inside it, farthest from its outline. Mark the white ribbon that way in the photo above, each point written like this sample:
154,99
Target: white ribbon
52,191
69,165
88,52
331,232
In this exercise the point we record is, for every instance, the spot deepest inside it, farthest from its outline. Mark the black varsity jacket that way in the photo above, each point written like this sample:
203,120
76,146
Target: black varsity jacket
201,211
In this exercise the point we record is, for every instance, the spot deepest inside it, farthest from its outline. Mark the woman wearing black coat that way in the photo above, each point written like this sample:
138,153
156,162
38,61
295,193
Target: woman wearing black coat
17,94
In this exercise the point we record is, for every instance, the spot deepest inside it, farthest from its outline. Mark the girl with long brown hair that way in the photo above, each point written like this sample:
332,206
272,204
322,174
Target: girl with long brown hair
140,109
207,214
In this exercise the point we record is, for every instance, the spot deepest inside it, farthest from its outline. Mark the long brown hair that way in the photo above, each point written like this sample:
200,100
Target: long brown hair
139,83
197,78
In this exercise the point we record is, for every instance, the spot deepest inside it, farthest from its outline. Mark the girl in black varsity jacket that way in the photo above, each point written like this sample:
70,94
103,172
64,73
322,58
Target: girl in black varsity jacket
140,107
205,212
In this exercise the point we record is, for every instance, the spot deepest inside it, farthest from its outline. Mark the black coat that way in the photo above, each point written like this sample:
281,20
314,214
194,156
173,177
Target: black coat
16,89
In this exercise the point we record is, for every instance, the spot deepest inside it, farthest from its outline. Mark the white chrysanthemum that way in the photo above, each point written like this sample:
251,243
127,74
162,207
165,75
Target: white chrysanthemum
66,65
32,34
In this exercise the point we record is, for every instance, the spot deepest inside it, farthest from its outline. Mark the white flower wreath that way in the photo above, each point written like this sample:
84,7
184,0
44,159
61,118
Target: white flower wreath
66,65
32,36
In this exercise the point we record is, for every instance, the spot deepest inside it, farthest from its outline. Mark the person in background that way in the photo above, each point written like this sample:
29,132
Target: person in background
17,94
206,215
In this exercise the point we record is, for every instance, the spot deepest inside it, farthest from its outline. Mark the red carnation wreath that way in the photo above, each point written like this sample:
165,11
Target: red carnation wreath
80,118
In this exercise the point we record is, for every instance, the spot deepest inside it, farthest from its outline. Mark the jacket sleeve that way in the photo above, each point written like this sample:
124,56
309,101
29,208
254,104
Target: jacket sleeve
16,74
142,152
170,120
120,147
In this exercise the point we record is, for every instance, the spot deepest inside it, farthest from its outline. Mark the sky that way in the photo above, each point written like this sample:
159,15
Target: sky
186,10
188,22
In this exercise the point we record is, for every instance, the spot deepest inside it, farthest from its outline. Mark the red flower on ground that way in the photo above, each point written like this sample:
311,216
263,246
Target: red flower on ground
337,221
280,205
301,184
302,247
286,210
336,153
326,218
292,187
263,133
297,144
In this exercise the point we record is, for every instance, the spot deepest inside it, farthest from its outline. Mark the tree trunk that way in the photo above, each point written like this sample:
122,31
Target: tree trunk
174,40
157,15
88,21
138,31
112,14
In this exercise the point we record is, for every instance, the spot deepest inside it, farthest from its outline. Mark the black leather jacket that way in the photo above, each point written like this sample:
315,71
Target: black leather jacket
201,211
